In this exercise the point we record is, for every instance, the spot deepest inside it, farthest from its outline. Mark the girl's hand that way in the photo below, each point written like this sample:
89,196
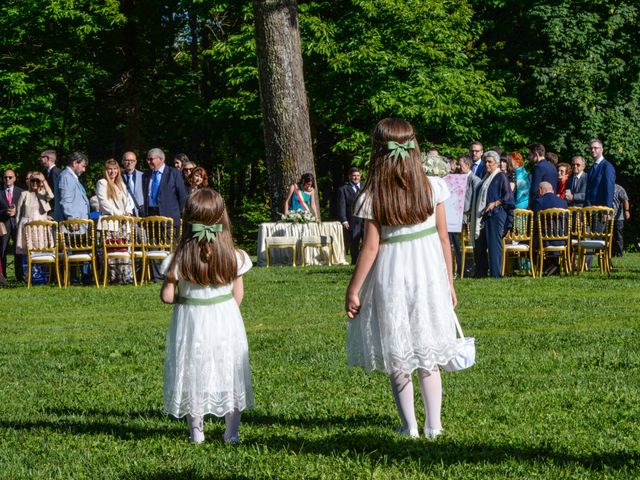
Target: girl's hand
454,298
352,305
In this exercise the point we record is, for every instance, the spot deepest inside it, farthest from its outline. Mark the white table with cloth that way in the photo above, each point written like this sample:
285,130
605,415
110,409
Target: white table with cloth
313,256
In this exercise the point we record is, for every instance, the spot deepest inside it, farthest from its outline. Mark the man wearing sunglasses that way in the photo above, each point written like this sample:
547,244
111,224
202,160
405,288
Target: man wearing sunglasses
8,198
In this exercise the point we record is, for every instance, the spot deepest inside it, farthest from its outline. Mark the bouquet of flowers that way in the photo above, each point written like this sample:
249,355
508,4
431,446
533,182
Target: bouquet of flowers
435,165
299,216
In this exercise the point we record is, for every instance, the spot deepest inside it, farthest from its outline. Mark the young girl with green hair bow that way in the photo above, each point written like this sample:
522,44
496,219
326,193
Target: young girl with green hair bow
206,368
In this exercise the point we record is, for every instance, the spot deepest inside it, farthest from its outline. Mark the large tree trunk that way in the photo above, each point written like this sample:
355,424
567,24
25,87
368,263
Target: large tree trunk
287,136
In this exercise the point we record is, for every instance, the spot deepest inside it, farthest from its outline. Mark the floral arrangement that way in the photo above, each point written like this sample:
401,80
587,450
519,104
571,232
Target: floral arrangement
299,216
435,165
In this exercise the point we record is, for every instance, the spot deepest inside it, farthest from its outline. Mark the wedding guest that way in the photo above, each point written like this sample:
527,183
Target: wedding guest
132,179
543,171
506,167
621,213
577,189
492,217
179,160
476,150
48,159
187,168
302,198
601,179
197,180
9,195
33,204
113,199
563,177
401,297
521,175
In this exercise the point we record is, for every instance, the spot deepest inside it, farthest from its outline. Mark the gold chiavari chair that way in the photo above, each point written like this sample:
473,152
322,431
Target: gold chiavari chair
41,240
78,244
595,235
117,234
518,242
554,238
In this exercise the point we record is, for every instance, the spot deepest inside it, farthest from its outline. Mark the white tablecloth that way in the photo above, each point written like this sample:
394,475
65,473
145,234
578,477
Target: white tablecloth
313,256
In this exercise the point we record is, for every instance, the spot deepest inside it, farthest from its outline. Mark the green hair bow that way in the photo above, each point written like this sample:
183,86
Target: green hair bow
201,231
400,149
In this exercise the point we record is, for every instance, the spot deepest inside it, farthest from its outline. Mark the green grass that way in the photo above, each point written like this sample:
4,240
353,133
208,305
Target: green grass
555,392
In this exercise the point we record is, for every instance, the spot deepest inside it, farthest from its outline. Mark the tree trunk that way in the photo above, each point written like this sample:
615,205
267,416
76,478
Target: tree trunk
287,136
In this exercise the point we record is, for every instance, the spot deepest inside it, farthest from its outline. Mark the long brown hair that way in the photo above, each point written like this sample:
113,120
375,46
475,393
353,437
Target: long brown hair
113,187
400,190
205,262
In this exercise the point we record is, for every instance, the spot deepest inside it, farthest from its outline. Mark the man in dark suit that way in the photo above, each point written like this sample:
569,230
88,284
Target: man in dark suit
353,226
163,188
477,151
132,179
164,194
577,187
544,171
48,160
601,182
8,199
546,199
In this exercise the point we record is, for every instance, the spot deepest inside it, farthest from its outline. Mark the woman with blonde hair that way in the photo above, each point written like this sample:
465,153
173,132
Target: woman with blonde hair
33,204
113,199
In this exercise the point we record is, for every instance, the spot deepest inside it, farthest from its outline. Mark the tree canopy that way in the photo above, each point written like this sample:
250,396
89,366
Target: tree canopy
111,75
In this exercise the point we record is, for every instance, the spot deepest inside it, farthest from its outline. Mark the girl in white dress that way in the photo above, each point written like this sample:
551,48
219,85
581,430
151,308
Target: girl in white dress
206,369
401,298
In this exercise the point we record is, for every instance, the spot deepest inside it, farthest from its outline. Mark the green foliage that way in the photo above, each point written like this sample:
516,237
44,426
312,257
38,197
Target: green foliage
554,393
402,58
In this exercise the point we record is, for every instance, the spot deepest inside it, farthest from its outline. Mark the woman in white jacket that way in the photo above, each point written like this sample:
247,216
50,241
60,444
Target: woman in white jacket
113,199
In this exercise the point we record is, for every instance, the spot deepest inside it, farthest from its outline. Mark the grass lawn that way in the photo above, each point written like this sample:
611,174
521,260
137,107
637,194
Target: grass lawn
555,392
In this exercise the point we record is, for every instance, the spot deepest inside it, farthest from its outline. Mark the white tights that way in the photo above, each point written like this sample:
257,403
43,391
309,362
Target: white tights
231,421
431,389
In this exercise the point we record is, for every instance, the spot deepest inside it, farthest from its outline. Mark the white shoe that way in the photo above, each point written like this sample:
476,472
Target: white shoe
196,430
432,433
406,432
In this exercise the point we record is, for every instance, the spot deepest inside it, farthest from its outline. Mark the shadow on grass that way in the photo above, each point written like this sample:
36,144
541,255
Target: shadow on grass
377,447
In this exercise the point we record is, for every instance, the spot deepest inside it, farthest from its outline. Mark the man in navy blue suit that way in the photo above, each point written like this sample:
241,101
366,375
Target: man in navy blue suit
163,188
601,181
477,167
544,171
548,199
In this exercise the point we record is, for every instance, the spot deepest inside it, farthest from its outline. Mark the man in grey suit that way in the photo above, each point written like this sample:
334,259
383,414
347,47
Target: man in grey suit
473,183
577,186
70,196
132,179
71,199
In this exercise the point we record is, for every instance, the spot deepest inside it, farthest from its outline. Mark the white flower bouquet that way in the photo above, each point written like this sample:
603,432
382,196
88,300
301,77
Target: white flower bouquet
299,216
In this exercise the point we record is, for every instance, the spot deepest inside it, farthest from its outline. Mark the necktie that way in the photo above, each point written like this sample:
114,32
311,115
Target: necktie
9,196
474,168
130,182
82,188
155,187
357,187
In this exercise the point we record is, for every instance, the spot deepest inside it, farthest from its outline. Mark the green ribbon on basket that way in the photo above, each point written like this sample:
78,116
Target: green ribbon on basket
200,231
400,149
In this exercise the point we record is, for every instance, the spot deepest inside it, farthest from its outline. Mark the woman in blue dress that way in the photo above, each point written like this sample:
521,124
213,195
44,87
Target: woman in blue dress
302,198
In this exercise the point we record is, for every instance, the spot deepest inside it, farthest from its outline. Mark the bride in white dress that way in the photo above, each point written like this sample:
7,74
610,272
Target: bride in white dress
401,298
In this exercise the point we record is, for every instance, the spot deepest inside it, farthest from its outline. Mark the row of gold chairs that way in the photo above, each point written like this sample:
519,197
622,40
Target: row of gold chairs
76,241
568,234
